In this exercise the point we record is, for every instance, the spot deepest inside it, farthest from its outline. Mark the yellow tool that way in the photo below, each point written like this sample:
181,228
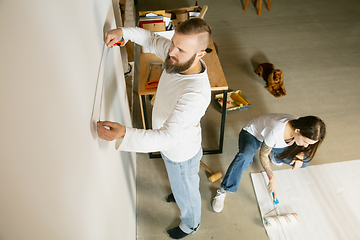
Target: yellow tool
239,99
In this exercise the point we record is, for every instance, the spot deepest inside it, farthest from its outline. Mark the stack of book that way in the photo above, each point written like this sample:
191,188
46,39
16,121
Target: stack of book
154,24
147,20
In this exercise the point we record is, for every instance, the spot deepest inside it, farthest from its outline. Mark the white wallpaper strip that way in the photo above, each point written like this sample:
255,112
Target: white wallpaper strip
326,199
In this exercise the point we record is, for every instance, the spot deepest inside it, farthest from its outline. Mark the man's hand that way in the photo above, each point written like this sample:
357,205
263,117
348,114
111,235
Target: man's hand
113,131
113,36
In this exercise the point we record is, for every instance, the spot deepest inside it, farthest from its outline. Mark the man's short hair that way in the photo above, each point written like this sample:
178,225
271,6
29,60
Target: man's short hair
195,26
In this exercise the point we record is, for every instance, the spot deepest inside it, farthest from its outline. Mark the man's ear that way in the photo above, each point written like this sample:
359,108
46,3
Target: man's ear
201,54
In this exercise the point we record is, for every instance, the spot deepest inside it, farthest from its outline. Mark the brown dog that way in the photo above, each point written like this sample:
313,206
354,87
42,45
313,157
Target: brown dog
273,78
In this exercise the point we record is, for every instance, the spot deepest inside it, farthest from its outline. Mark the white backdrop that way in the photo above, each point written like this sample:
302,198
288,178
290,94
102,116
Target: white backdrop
57,179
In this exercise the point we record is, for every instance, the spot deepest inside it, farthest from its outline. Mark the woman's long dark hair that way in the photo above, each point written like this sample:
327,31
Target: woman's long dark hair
310,127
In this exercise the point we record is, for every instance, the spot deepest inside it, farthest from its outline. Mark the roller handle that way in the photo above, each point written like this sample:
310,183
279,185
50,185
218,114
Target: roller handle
275,200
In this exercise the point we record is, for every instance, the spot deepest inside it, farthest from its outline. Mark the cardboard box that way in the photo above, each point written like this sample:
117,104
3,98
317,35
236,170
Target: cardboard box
177,15
181,17
174,14
154,27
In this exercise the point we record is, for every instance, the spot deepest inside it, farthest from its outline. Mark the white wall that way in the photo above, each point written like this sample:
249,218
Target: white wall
57,179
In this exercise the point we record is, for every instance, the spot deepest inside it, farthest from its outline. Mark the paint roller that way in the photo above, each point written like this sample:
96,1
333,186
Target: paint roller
278,220
213,176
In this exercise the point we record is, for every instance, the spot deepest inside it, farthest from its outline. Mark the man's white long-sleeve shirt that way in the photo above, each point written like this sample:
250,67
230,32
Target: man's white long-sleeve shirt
180,103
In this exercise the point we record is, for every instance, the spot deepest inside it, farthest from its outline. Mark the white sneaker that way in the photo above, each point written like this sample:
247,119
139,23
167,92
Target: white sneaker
272,159
218,202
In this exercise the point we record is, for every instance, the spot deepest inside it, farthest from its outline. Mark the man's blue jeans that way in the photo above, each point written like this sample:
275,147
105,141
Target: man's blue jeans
248,145
184,180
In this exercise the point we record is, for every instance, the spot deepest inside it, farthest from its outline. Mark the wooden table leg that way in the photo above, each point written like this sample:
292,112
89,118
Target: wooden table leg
146,123
142,111
246,5
259,10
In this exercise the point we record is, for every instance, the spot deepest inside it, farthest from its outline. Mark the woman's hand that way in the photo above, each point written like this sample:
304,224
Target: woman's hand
113,131
272,186
113,36
296,164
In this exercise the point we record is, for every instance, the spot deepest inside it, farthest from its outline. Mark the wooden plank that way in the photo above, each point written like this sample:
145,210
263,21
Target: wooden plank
215,72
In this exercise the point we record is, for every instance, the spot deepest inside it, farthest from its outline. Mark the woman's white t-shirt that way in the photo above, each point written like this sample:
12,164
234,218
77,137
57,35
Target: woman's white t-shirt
270,129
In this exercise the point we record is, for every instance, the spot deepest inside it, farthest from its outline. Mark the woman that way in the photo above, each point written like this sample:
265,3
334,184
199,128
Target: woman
281,137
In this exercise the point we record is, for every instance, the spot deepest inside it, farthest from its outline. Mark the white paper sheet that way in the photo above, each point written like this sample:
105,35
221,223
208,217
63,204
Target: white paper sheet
326,198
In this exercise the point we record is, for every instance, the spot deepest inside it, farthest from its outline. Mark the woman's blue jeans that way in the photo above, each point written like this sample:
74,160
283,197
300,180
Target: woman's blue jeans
248,145
184,181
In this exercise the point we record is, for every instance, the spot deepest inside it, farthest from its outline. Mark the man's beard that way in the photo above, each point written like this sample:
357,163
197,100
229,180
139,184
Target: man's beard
176,67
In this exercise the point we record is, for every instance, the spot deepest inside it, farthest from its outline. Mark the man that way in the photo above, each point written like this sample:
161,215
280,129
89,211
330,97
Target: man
182,98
